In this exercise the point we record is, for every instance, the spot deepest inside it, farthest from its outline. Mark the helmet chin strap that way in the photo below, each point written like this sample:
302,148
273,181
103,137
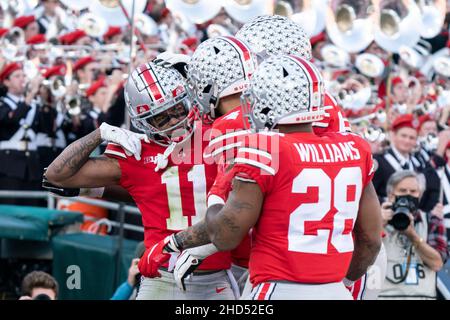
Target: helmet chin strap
214,101
162,159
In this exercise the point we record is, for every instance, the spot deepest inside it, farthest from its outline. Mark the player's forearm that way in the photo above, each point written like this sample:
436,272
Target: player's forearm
223,230
193,236
70,161
364,255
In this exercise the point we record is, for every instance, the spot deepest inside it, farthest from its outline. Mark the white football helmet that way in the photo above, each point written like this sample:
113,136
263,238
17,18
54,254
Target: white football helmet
274,35
284,90
159,103
219,67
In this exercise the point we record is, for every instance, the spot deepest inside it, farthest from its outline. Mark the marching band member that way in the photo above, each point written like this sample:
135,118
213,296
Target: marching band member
28,24
18,120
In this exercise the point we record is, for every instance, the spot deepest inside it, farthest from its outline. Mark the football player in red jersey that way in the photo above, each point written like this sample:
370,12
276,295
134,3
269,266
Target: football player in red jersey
218,72
166,181
306,207
229,129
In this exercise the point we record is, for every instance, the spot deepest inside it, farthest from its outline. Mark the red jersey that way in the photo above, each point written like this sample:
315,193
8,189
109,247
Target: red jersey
170,199
333,120
226,133
312,186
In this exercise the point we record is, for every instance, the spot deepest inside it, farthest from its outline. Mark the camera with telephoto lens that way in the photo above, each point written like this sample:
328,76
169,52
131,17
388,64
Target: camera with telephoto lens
402,207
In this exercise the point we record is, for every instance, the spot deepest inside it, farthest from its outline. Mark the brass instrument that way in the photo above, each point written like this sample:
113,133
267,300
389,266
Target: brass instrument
334,56
415,57
95,26
56,86
13,44
244,11
373,134
433,16
198,11
350,25
115,12
311,15
369,65
73,105
398,24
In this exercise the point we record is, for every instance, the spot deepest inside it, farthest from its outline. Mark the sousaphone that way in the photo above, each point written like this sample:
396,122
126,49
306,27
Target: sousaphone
398,24
350,23
244,11
197,11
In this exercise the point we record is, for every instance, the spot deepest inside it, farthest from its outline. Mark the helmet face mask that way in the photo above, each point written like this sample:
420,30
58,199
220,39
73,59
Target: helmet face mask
219,67
159,104
158,127
284,90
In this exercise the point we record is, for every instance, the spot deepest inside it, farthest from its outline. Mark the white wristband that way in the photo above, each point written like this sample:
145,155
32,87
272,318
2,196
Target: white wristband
348,282
92,192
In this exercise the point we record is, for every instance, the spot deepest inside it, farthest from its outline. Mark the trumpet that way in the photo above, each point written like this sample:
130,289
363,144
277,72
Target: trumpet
369,65
56,86
355,93
94,26
12,44
73,105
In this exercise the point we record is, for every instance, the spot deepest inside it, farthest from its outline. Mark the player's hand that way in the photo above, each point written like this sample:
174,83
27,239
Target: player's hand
175,60
128,140
189,260
64,192
156,256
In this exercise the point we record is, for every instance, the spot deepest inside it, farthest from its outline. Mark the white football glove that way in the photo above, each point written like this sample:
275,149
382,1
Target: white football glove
128,140
168,59
189,260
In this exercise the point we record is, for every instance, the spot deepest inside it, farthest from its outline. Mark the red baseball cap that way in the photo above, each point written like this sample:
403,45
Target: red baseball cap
95,86
112,31
422,119
80,63
396,80
37,39
23,21
318,38
72,37
3,31
58,70
8,69
404,121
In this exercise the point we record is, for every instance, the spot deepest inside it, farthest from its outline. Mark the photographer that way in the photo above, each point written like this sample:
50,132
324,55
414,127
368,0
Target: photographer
415,241
39,285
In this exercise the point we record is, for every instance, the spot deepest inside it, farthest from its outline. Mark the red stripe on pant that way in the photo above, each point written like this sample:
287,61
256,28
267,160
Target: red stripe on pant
263,292
356,289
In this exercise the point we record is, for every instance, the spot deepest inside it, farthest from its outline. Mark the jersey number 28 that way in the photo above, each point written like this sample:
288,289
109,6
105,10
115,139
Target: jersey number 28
309,231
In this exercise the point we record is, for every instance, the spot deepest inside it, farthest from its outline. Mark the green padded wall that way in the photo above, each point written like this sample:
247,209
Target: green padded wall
96,258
